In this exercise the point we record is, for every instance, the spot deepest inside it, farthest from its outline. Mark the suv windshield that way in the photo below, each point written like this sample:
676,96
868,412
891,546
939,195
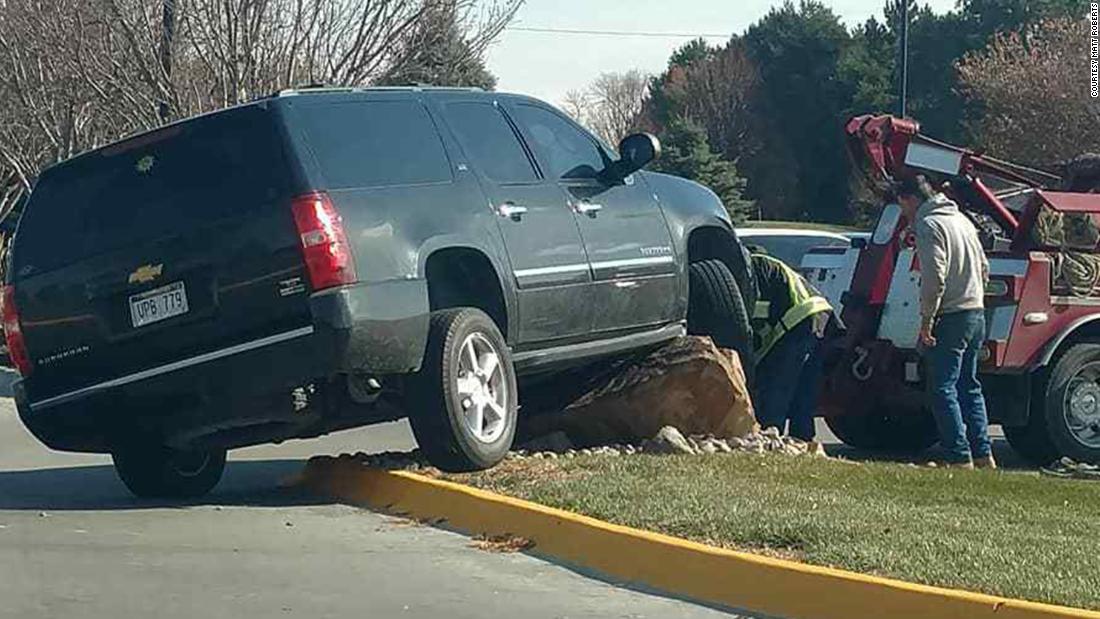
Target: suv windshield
155,184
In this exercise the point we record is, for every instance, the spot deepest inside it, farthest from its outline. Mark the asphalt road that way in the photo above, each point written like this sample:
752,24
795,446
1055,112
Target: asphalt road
74,544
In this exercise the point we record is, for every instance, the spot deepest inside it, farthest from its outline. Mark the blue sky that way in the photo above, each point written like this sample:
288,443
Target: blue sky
549,65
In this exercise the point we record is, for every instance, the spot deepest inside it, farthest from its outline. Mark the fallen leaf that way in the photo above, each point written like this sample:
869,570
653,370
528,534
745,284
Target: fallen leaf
502,543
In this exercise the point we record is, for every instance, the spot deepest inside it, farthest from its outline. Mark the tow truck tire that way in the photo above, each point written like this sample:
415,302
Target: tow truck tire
463,402
159,472
1070,413
1032,441
717,309
912,433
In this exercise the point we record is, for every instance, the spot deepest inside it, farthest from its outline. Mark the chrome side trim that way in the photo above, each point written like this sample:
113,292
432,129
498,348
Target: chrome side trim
632,262
607,264
175,365
563,268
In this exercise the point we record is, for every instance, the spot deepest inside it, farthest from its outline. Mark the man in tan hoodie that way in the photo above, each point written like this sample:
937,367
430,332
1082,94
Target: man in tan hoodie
954,271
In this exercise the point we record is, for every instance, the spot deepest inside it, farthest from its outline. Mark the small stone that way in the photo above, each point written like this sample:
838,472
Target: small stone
551,455
722,446
708,447
772,432
669,440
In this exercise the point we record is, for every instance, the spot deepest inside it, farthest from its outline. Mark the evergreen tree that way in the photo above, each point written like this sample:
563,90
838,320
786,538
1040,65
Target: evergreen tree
442,56
686,152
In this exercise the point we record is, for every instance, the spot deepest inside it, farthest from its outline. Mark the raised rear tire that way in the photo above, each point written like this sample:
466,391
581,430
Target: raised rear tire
716,308
463,401
156,471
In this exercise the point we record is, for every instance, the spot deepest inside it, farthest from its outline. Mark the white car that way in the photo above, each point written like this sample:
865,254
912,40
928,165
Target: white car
791,244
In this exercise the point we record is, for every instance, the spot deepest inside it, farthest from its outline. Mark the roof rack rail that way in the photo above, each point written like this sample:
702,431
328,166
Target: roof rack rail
326,88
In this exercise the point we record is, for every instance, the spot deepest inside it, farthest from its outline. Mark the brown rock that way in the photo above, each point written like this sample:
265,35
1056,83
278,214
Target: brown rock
689,384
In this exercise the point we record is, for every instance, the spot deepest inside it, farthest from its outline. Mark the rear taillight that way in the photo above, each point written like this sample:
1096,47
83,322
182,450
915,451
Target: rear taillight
324,244
13,332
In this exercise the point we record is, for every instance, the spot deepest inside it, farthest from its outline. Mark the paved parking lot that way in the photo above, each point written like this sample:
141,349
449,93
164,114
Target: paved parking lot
74,544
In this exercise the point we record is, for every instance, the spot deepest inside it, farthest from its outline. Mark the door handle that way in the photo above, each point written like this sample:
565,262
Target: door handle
588,208
511,211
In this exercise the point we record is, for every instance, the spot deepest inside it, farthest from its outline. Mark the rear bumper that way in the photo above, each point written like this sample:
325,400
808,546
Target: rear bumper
244,393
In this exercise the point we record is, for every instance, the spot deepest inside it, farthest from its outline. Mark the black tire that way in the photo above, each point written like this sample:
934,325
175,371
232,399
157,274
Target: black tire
154,471
438,411
1052,435
717,309
908,434
1032,441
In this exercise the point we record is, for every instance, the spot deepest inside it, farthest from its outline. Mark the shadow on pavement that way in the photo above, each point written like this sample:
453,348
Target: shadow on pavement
1006,457
253,483
7,380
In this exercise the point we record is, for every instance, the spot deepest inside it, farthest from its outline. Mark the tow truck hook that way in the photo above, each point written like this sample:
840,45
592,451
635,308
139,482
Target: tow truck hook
861,370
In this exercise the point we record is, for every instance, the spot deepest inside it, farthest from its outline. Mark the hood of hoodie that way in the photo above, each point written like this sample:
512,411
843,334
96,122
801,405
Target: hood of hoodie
938,204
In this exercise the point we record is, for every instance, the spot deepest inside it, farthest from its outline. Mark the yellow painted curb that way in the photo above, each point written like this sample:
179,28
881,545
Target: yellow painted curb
734,579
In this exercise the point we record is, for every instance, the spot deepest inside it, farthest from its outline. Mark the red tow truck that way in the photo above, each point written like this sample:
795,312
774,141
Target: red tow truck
1041,362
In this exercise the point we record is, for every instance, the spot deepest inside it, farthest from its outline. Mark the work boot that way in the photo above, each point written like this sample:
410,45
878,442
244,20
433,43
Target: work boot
986,462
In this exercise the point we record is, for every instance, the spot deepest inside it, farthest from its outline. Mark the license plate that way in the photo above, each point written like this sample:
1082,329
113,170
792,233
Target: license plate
158,304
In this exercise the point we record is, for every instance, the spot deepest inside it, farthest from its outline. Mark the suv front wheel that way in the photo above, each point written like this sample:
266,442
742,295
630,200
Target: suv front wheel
717,309
463,402
156,471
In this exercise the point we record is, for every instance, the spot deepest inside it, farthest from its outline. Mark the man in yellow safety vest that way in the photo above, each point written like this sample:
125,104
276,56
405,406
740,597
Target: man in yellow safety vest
789,322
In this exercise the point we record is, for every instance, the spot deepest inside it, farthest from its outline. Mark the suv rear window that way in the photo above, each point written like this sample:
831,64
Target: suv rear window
375,143
179,177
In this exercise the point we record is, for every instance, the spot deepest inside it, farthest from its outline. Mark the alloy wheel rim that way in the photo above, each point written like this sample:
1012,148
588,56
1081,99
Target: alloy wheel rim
482,389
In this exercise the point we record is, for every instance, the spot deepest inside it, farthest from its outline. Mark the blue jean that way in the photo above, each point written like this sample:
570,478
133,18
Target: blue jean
788,380
957,401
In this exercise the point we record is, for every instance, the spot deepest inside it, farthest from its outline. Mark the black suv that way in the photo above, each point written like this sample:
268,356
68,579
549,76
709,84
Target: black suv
329,258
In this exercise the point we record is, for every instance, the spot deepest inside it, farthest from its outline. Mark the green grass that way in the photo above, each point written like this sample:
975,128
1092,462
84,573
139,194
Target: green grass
1011,534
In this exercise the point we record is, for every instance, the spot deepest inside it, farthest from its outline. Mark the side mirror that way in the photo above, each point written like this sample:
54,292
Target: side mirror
635,152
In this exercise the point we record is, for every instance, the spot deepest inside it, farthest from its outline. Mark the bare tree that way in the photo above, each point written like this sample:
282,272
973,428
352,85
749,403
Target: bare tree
576,104
75,74
610,105
1034,88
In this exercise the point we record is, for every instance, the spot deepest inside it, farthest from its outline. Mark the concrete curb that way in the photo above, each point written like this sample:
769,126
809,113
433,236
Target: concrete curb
695,571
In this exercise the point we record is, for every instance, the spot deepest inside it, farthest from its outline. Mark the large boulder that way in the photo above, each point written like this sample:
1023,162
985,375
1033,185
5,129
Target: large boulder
689,384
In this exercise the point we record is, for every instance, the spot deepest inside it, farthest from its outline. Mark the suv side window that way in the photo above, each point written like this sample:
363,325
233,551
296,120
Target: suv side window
563,150
490,142
376,143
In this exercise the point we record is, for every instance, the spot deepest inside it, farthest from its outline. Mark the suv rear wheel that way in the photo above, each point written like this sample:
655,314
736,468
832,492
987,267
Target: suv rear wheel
155,471
717,309
463,402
